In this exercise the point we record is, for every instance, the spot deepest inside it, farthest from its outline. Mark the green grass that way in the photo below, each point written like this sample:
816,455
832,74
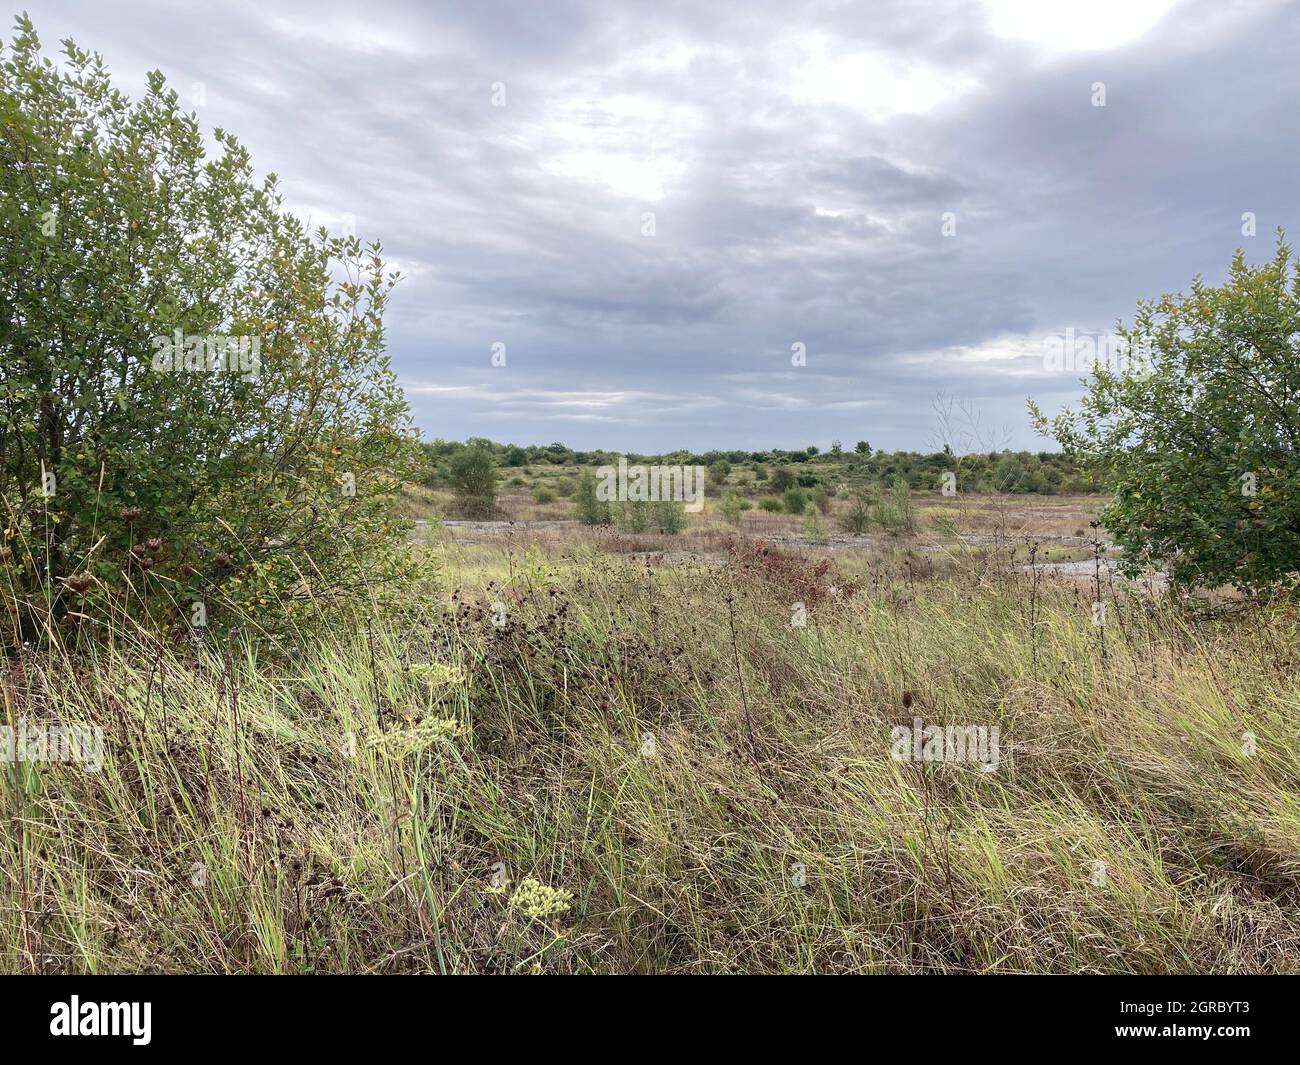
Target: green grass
666,746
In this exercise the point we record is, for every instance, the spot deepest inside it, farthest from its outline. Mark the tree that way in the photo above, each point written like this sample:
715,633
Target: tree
196,411
863,448
1200,430
473,478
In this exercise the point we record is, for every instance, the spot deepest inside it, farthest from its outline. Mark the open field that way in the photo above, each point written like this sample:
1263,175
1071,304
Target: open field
595,753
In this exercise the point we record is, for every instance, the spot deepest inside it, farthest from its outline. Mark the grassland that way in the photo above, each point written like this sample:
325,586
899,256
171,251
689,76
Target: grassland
598,755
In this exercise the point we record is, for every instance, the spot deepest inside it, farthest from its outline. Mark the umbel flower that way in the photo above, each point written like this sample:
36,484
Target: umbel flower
537,900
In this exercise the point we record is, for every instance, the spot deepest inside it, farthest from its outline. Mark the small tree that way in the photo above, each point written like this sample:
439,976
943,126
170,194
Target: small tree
1200,431
473,478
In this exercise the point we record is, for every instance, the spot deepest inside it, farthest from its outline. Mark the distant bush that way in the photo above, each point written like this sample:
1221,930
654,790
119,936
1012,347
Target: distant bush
663,517
591,510
733,506
862,503
474,482
822,500
895,512
795,499
543,494
814,528
771,504
781,479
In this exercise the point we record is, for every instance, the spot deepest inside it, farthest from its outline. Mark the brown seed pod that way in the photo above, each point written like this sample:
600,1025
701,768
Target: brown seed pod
131,513
153,544
907,700
79,582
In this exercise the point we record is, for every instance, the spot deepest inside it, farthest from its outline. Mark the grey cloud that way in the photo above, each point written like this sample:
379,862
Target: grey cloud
797,161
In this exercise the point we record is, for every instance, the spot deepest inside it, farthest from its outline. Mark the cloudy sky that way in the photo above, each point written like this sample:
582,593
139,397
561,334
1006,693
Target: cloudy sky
656,208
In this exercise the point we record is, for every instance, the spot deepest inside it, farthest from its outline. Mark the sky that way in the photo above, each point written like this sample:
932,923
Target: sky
749,225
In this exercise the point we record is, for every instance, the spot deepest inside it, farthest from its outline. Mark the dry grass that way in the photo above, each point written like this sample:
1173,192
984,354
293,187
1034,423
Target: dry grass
350,804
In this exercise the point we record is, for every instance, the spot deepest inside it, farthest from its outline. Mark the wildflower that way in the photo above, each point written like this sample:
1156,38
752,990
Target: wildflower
537,900
437,675
427,733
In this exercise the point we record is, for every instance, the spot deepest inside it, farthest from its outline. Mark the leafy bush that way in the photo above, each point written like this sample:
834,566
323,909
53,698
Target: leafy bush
473,478
894,512
771,504
591,510
1204,449
663,516
814,528
197,416
862,504
780,480
794,501
543,494
733,506
822,500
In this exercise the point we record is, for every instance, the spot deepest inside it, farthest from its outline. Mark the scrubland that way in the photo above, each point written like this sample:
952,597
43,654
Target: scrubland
586,755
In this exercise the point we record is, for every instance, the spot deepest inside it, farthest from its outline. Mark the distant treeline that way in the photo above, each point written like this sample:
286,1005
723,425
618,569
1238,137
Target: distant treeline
1042,472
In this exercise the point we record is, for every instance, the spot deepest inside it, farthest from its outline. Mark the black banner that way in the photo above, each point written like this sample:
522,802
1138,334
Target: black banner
1221,1015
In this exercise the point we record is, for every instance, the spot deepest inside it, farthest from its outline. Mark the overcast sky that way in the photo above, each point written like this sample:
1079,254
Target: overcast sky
650,205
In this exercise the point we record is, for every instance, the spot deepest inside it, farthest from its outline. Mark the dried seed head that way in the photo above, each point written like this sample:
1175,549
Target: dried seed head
79,582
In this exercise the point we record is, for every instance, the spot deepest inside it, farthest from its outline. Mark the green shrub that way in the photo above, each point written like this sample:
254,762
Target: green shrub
780,480
795,499
196,407
591,510
1201,435
814,528
733,506
543,494
771,504
862,504
663,517
473,479
895,512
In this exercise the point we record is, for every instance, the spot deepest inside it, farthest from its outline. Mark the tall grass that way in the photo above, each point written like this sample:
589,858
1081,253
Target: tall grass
711,782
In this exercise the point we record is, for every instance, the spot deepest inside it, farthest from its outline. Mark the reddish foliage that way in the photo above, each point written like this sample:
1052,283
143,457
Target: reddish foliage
800,580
